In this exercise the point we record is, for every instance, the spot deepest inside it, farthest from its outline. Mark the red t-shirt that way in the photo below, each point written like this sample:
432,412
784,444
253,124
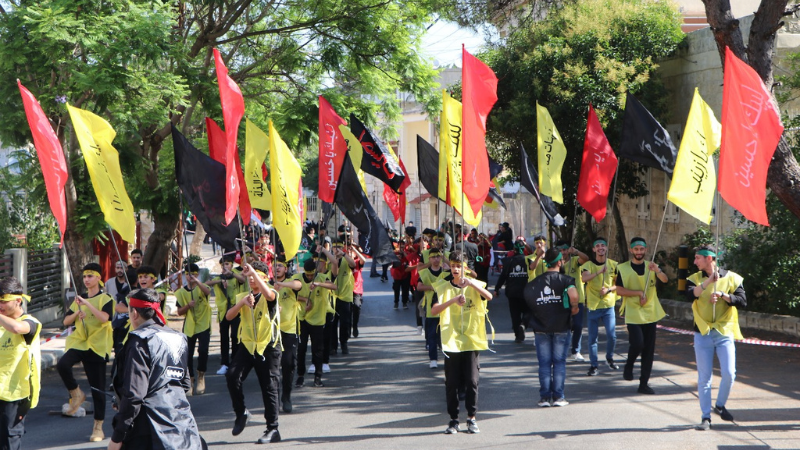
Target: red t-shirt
358,280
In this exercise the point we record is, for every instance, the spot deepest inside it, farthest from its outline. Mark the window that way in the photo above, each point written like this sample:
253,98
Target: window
643,203
311,204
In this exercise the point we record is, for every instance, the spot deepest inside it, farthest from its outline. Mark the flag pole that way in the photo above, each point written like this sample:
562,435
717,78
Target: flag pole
613,199
655,249
244,262
75,286
574,223
716,247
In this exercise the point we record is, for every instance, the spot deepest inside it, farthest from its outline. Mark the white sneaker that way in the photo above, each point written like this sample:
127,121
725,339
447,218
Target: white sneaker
576,357
434,364
419,331
326,368
222,370
311,369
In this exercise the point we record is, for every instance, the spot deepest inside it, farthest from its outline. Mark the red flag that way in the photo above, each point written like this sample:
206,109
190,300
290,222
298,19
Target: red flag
232,112
51,157
217,147
597,169
332,148
751,129
479,87
397,200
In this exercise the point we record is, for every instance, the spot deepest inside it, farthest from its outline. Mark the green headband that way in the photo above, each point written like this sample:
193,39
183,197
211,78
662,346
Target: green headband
599,241
563,247
635,243
554,261
705,252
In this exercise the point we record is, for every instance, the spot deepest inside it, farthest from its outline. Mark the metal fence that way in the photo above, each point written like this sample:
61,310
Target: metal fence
44,279
6,266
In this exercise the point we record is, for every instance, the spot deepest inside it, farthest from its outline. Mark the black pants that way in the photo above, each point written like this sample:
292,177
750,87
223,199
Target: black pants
342,323
268,372
328,337
401,285
203,338
228,338
12,423
516,306
459,369
94,366
358,300
482,272
417,298
315,332
288,363
384,268
642,341
118,335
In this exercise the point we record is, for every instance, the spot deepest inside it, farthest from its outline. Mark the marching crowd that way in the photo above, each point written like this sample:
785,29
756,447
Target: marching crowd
268,309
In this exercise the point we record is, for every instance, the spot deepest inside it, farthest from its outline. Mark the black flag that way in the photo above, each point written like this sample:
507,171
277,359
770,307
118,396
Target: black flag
377,160
494,170
202,181
353,203
529,179
644,140
428,165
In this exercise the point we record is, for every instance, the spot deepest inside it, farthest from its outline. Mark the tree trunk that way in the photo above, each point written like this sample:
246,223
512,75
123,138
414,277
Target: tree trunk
197,241
159,243
79,253
783,177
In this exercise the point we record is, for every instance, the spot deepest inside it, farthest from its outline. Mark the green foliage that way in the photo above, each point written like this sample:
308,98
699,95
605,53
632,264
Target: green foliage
592,51
23,222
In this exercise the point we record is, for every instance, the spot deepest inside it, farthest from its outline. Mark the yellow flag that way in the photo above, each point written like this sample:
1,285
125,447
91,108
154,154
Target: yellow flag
552,154
102,160
286,184
356,152
694,178
255,153
450,154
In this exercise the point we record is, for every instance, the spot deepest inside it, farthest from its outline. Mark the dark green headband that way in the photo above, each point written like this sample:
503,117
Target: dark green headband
554,261
635,243
705,252
599,241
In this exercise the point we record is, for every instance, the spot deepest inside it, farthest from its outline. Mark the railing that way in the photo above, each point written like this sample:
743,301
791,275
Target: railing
44,279
6,266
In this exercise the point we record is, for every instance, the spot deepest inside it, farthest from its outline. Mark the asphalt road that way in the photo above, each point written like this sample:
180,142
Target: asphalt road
384,396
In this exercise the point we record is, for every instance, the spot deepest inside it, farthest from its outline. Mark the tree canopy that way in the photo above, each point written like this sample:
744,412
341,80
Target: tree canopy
142,64
593,51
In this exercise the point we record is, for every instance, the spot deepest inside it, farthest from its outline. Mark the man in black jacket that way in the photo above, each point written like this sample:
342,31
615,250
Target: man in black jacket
515,273
153,383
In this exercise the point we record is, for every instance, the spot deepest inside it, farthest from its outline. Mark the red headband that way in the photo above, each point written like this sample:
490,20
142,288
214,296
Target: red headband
137,303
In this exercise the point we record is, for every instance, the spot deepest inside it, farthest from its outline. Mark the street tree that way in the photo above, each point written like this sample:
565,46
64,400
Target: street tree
592,51
143,65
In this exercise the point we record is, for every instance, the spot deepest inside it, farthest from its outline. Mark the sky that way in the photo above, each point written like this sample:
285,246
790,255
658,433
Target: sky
444,39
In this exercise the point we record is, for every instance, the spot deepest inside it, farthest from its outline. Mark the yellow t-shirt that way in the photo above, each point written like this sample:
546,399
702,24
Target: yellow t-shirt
463,327
725,317
427,278
345,283
198,318
593,299
538,270
287,300
634,312
320,299
20,364
95,336
224,298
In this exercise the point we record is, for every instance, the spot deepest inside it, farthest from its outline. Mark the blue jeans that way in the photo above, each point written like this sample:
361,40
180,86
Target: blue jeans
433,338
609,319
551,351
577,329
704,348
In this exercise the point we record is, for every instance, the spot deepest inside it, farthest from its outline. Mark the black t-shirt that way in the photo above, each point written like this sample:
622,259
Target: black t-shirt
544,298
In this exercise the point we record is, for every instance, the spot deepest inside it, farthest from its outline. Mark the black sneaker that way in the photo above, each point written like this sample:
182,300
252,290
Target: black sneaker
452,427
627,373
318,382
544,402
724,414
405,305
299,382
396,306
472,426
270,436
240,423
611,364
345,350
355,332
593,372
287,405
645,389
705,425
